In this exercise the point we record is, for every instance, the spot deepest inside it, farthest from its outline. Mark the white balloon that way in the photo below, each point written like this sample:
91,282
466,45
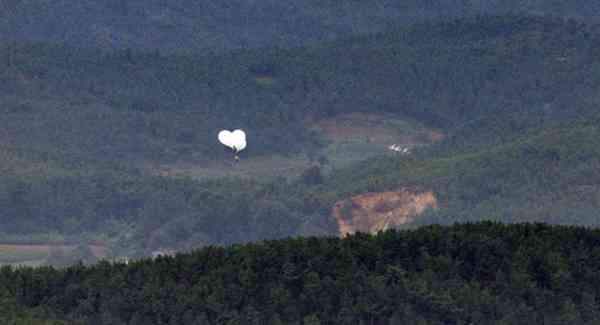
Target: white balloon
226,138
239,134
239,139
240,145
235,140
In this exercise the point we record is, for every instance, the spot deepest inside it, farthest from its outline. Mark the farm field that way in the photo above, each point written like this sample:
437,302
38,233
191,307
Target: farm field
39,254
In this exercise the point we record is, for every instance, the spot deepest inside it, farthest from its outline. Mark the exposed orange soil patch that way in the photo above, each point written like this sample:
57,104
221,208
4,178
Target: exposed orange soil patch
372,212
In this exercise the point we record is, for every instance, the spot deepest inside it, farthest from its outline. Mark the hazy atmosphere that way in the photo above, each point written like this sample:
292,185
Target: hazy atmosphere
299,162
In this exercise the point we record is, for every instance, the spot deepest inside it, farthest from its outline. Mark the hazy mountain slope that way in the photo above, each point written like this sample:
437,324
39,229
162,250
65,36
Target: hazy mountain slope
461,76
192,25
56,201
499,86
217,26
549,175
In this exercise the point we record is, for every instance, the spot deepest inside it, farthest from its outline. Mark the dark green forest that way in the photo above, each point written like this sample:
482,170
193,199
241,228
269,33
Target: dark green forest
477,273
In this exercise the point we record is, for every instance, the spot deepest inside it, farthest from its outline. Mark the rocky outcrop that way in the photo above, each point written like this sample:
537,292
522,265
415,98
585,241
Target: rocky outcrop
372,212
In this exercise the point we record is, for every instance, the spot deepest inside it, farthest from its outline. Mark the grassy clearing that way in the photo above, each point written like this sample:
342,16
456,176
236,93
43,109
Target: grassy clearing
24,254
263,166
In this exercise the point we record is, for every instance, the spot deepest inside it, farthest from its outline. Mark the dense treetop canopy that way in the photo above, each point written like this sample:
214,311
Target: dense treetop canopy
473,273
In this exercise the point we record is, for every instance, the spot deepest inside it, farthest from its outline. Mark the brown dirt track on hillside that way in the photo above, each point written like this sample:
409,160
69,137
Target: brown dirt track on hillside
99,251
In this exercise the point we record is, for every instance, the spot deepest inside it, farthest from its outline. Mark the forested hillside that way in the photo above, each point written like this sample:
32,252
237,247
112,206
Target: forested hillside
515,96
483,273
548,175
463,76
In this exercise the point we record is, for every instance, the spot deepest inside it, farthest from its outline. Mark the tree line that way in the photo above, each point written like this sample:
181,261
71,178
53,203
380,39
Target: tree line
486,272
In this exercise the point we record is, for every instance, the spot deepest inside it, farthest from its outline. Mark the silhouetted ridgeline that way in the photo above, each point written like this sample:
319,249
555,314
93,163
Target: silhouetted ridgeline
484,273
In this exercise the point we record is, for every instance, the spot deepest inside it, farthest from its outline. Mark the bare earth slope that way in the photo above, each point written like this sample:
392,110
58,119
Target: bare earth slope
373,212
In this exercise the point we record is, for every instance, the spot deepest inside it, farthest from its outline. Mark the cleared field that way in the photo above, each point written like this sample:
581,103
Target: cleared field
382,129
32,255
10,254
263,166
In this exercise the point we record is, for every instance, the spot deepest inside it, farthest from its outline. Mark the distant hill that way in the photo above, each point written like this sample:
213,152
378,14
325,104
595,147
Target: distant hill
462,76
184,25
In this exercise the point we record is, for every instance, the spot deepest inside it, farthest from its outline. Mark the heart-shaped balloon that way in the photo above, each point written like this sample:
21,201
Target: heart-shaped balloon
235,140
